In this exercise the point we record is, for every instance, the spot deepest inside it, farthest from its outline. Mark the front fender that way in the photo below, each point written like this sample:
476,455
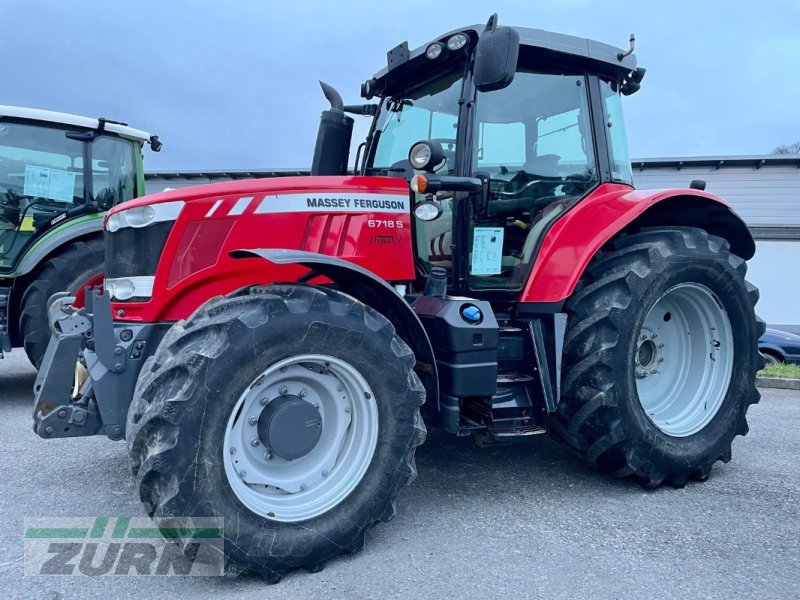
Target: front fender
373,291
611,209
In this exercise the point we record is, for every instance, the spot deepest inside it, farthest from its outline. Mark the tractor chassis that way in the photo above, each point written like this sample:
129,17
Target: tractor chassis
487,394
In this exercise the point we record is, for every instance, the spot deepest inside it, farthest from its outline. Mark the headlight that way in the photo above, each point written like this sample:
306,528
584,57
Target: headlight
142,216
457,41
423,156
434,51
428,211
120,289
112,224
420,155
125,288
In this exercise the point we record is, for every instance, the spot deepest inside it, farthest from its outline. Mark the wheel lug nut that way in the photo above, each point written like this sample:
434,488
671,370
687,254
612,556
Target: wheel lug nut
254,441
252,420
233,450
643,336
315,405
339,388
653,371
660,344
302,393
660,359
283,369
263,400
268,455
242,473
654,336
303,487
283,390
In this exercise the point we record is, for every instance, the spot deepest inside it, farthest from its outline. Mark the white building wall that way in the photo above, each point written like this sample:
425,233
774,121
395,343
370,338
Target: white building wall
765,197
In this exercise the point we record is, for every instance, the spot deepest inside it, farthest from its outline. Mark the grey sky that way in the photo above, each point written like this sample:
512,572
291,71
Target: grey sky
234,84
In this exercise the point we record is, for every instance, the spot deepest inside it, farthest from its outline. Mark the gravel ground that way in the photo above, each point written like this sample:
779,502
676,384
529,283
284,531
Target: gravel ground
521,521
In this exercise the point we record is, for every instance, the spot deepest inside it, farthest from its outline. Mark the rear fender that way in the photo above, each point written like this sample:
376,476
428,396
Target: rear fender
611,209
373,291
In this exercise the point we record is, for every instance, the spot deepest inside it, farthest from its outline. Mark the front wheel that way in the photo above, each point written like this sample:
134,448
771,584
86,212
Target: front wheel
78,265
291,412
660,357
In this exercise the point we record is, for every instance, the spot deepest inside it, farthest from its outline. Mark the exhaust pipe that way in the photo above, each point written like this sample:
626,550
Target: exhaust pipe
332,149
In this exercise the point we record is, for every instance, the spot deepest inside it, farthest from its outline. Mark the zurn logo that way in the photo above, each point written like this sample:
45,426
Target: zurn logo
103,546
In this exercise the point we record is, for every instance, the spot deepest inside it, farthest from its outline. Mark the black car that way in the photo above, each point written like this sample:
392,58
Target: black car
780,347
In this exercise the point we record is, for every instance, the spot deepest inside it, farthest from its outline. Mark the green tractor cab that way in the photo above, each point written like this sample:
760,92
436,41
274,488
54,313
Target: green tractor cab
59,173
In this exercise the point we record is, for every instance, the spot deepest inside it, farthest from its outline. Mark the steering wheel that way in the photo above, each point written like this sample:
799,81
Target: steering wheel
518,185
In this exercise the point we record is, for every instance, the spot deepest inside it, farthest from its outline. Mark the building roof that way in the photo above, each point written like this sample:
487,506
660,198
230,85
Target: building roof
756,161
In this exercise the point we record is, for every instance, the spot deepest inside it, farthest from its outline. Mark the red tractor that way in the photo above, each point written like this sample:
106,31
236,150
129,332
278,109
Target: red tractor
272,350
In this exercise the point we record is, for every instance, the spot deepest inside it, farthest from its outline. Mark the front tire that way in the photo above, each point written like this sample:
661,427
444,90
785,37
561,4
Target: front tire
67,271
660,357
207,426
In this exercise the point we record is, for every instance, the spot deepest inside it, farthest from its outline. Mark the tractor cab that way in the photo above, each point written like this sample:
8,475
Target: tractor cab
55,167
507,129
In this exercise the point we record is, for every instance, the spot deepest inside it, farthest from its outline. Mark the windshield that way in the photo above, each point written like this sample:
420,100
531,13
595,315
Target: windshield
42,175
427,113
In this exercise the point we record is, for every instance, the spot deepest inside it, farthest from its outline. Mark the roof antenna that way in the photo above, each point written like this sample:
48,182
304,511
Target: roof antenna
491,23
621,55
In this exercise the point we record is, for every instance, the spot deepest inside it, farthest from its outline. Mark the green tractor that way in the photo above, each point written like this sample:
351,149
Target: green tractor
59,173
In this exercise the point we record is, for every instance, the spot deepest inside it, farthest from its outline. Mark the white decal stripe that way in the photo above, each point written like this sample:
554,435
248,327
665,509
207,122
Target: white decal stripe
335,202
213,208
240,206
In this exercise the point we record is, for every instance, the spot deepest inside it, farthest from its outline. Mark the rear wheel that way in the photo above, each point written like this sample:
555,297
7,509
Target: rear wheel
291,412
79,264
660,357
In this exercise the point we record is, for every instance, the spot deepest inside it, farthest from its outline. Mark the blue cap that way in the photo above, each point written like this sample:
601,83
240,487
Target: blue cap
471,314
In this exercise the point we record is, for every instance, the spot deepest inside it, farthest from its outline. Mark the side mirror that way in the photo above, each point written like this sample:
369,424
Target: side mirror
496,57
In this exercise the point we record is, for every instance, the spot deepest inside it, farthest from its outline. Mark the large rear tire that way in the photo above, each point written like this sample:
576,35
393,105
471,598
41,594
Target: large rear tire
660,357
67,271
291,412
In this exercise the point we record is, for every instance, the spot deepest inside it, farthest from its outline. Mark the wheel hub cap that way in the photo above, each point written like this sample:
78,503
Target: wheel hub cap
290,427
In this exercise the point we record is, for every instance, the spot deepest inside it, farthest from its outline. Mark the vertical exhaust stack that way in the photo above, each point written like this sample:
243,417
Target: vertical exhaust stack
332,150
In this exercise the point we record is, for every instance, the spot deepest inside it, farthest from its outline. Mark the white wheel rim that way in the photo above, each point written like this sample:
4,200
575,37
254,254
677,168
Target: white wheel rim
306,487
684,359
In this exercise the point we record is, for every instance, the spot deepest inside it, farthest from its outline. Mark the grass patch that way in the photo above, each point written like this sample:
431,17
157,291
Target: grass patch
781,370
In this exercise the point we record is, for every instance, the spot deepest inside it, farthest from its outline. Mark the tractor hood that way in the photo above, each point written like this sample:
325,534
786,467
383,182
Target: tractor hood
269,186
163,249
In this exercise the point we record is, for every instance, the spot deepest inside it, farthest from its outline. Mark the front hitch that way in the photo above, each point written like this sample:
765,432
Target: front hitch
74,397
55,410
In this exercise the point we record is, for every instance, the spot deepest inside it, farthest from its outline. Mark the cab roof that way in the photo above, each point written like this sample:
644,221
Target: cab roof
49,116
603,57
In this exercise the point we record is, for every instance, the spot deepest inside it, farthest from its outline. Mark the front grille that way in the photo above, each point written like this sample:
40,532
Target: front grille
133,251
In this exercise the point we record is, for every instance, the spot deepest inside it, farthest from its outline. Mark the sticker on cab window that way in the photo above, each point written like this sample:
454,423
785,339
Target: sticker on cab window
487,251
53,184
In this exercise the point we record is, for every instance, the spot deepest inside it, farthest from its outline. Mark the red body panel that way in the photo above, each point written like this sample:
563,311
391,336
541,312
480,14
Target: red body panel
364,226
195,265
575,238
